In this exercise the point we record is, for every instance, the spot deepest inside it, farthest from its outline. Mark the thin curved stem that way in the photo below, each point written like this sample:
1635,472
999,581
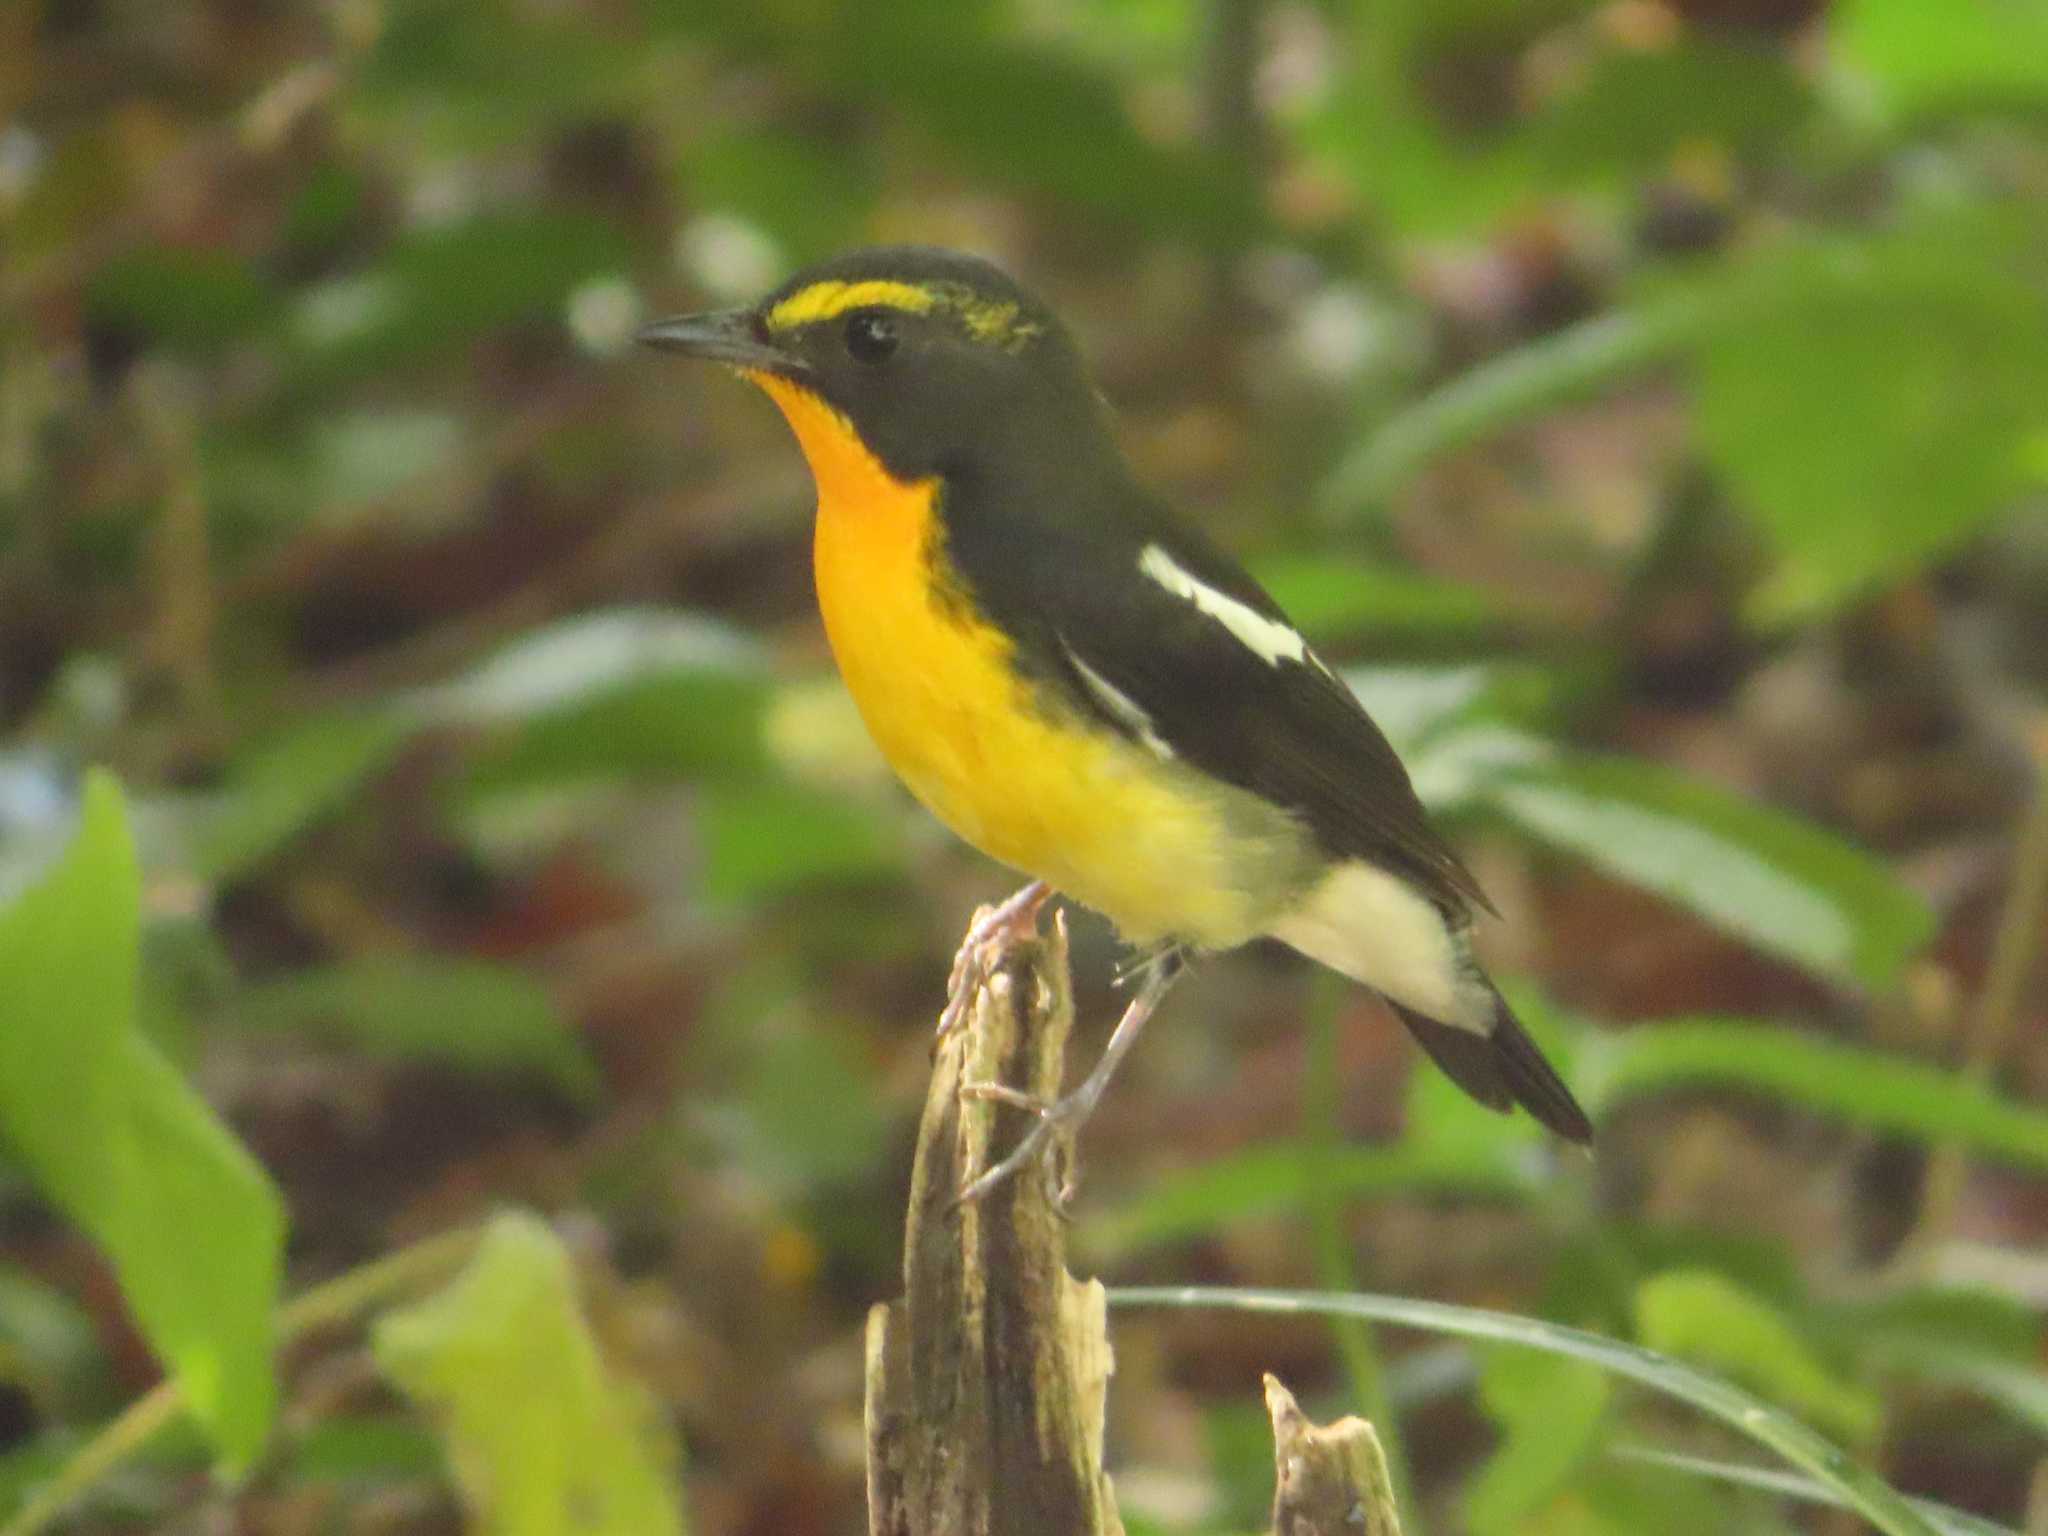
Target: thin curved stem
340,1300
1863,1490
1992,1023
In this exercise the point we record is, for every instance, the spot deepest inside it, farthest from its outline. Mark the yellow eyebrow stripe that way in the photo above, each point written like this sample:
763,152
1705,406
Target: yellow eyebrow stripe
822,301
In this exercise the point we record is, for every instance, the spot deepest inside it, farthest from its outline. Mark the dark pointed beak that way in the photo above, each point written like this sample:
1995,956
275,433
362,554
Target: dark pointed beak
725,336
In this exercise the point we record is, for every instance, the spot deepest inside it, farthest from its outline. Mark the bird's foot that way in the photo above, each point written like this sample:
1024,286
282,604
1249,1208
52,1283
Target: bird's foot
1061,1120
1139,964
1057,1123
1012,918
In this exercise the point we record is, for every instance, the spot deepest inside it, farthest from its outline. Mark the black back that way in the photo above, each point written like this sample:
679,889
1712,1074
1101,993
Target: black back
1045,527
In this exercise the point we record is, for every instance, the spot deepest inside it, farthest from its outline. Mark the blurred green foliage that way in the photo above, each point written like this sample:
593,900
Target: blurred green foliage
106,1127
1551,1411
1654,392
542,1439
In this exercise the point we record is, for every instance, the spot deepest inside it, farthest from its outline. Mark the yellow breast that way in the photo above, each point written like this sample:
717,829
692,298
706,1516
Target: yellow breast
1146,843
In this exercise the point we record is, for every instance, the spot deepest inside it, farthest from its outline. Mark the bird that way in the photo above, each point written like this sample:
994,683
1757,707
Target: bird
1081,683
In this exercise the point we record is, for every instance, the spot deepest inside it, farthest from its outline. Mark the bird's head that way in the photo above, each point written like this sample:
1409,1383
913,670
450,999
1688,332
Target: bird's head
937,362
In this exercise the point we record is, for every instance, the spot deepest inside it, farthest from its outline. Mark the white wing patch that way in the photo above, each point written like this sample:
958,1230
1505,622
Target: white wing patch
1270,640
1121,705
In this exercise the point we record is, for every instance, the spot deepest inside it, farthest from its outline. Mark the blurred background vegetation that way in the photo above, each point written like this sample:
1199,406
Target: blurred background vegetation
1647,399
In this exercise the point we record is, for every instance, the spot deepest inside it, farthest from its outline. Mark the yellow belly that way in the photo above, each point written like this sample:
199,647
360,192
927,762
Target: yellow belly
1151,845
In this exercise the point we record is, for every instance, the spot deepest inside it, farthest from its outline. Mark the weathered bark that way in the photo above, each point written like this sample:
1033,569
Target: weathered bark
985,1383
1329,1479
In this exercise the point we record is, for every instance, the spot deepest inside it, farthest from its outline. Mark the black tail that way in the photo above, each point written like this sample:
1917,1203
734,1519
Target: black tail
1501,1069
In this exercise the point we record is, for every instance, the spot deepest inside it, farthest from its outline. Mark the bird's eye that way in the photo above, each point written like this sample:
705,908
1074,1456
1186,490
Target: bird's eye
870,335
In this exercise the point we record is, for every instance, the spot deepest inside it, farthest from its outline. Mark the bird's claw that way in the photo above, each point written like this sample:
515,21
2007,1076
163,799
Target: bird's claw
1009,919
1057,1120
1139,965
1003,1093
1060,1120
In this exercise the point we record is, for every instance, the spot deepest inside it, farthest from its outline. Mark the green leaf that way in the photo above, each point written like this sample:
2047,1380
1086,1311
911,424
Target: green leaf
1460,767
209,1307
362,1450
326,206
274,792
542,1437
1037,118
1437,28
630,693
1273,1180
467,1014
1740,1410
1873,402
484,74
191,300
1330,597
1984,1322
1417,174
1782,884
1635,108
1962,55
1620,116
659,729
437,288
809,192
1616,1499
1550,1411
1705,1317
1974,1341
766,840
496,268
1416,705
108,1130
1900,1098
579,660
68,948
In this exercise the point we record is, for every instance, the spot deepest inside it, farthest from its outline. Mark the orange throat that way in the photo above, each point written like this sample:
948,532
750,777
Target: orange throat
1037,789
924,674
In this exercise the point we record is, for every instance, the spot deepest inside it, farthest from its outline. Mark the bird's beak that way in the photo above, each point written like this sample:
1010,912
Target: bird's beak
725,336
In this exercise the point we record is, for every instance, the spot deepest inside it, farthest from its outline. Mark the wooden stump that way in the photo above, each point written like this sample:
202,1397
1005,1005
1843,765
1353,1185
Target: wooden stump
985,1382
1328,1479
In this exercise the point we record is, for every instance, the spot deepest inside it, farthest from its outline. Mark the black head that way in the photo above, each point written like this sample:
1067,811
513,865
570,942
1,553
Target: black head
940,362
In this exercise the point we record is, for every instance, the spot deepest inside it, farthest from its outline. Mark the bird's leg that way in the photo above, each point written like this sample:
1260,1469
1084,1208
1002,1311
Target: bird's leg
1065,1117
1017,914
1140,963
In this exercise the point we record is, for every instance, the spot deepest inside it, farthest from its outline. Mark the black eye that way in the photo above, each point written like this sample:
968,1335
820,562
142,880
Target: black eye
870,335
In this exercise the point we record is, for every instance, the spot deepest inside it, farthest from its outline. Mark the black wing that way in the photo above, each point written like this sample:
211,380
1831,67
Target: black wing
1085,615
1286,730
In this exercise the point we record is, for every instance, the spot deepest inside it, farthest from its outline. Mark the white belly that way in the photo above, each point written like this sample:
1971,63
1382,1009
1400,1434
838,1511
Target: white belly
1378,929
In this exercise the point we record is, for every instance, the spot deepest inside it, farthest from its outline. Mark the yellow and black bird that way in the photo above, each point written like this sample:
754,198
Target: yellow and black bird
1084,686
